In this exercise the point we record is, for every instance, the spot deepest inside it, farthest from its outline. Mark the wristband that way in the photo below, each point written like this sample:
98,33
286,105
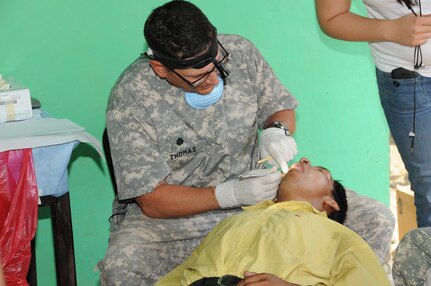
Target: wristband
278,124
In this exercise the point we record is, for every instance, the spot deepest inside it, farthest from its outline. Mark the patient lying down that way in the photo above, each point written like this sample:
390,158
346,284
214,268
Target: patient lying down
290,242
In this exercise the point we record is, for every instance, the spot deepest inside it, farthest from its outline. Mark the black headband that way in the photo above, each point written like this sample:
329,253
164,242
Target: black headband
197,62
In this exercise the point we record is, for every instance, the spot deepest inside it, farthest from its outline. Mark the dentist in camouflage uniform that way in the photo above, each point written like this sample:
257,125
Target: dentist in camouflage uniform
183,124
412,259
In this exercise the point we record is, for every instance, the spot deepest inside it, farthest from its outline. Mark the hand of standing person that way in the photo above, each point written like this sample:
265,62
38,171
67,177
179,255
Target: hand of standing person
336,20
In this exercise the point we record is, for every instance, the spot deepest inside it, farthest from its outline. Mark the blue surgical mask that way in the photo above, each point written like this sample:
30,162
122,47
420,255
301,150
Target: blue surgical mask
200,101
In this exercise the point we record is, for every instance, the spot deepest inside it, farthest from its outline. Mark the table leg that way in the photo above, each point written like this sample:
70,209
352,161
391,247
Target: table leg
63,241
31,274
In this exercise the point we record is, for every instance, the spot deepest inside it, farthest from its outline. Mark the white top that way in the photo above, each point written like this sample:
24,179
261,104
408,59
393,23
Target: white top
388,55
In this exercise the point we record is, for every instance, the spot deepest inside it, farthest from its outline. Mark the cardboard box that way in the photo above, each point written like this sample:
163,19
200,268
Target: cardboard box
406,210
15,101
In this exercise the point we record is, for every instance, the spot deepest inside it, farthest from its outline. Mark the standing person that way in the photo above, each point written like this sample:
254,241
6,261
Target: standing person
398,32
183,122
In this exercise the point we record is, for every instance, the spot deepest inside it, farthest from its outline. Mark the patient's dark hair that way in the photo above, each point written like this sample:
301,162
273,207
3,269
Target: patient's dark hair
339,193
408,3
179,29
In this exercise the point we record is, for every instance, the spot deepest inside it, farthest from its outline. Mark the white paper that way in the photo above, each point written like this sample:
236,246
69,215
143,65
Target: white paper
34,133
37,127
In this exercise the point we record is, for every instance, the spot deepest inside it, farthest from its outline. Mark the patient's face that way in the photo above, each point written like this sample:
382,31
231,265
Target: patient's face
304,182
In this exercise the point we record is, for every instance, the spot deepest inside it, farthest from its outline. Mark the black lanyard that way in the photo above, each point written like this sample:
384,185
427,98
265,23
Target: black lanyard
417,63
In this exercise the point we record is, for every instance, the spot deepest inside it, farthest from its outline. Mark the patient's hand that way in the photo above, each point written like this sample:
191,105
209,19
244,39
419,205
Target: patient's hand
263,279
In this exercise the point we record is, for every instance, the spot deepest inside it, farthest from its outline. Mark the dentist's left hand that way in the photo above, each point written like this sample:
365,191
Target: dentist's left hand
278,144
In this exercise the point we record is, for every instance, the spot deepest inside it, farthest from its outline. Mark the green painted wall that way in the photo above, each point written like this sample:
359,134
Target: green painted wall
71,52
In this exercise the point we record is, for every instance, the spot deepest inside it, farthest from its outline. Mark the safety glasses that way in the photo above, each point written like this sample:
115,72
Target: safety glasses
219,67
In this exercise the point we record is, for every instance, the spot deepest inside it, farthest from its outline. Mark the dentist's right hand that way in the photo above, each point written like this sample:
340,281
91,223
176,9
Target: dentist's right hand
250,190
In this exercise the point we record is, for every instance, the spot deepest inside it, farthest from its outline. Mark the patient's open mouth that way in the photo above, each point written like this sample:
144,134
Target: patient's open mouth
298,167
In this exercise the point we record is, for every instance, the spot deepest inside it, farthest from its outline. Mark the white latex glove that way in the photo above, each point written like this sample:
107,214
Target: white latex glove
281,147
249,190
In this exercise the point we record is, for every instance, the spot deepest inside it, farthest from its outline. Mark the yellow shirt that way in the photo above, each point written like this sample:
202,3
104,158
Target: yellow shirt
290,240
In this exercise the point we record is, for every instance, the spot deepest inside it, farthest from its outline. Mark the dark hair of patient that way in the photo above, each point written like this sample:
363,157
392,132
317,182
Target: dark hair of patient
409,3
179,29
339,194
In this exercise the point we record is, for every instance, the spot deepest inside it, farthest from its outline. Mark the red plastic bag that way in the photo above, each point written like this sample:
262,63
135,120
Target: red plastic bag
18,213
